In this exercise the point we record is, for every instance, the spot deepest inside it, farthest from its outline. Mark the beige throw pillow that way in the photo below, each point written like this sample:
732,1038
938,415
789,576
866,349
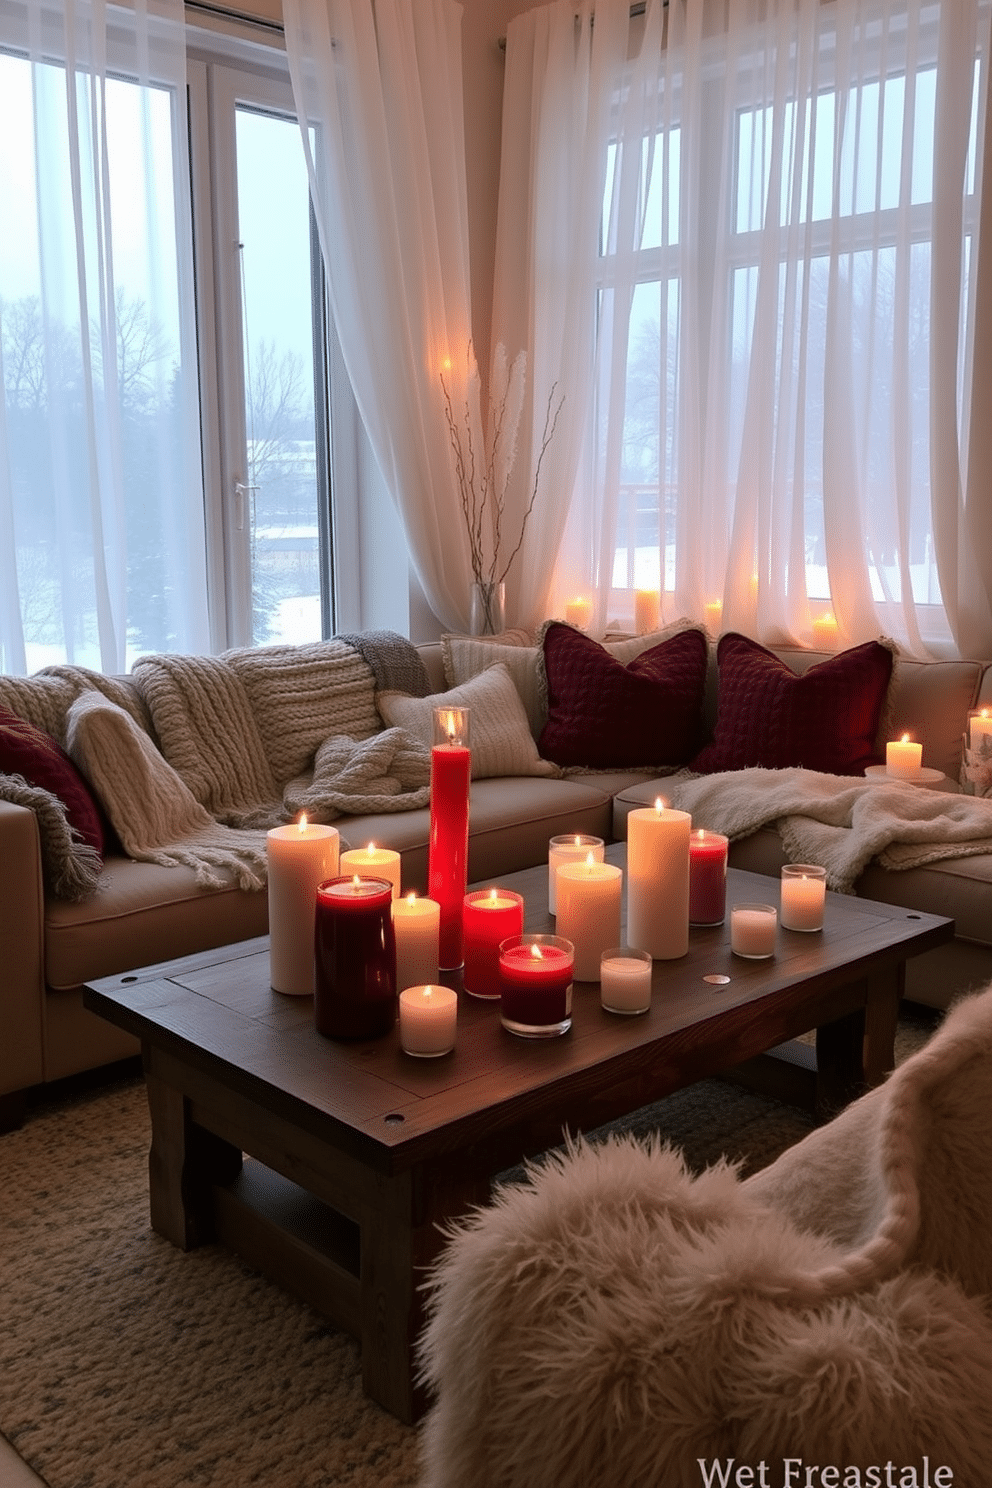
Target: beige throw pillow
499,733
466,657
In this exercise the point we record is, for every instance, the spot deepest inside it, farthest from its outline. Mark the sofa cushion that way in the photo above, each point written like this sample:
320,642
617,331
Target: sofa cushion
466,657
30,752
607,713
499,734
827,719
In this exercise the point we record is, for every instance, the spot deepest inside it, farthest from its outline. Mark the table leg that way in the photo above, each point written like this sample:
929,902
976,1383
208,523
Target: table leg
840,1071
184,1162
885,992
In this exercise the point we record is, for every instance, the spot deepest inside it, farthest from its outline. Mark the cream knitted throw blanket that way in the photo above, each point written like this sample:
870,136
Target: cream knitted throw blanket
838,821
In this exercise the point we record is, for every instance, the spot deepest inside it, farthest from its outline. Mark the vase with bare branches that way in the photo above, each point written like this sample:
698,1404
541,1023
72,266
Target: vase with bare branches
484,456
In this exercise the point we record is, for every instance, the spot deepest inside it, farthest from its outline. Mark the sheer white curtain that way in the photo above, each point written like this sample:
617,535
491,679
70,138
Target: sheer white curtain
101,507
783,320
380,84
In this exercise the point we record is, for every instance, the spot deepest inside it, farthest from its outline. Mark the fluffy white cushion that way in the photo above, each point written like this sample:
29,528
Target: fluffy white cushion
499,734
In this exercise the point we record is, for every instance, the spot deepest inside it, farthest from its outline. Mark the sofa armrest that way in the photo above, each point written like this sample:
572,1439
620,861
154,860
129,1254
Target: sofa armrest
22,942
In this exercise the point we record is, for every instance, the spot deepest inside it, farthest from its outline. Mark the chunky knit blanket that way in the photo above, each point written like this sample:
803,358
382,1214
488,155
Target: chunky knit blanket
836,820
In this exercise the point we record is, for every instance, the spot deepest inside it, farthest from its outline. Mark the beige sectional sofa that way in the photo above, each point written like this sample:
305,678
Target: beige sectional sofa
143,912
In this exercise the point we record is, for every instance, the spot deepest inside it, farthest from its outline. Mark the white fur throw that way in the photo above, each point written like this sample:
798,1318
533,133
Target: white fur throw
617,1321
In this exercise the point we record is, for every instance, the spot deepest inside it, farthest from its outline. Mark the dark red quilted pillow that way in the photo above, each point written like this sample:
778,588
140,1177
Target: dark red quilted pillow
826,719
605,715
29,751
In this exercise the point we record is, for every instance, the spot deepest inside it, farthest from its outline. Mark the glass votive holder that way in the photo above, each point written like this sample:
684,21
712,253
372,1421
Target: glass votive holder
428,1017
707,877
625,980
804,888
536,985
572,847
752,931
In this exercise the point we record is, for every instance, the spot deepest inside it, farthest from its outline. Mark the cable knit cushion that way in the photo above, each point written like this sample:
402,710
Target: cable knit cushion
466,657
31,753
605,714
499,734
826,719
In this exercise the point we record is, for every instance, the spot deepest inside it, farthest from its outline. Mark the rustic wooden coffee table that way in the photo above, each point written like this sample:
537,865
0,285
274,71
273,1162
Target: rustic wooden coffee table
330,1165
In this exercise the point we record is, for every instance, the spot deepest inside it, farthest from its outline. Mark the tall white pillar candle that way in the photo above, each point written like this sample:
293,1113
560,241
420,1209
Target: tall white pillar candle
589,909
647,610
416,926
373,862
569,848
658,880
300,856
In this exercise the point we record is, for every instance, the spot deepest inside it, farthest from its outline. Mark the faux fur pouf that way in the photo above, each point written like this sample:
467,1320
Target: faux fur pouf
615,1321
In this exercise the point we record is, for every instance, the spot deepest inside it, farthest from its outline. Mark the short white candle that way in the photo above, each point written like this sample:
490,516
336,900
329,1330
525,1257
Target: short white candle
428,1016
373,862
658,880
300,856
625,979
714,615
980,728
569,849
647,610
416,925
589,908
803,895
752,931
578,612
825,632
903,758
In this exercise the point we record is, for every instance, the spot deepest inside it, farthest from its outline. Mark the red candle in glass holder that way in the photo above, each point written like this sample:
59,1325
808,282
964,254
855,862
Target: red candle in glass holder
490,917
354,958
447,856
536,985
707,878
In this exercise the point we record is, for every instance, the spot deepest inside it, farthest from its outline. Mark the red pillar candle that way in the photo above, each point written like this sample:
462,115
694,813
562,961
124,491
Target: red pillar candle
536,984
707,878
447,856
354,958
490,916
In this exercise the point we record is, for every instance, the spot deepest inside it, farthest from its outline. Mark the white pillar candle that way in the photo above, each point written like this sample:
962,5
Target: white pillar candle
980,729
903,758
578,612
569,849
752,931
647,610
714,616
416,925
300,856
658,880
373,862
804,888
625,980
825,632
589,909
428,1017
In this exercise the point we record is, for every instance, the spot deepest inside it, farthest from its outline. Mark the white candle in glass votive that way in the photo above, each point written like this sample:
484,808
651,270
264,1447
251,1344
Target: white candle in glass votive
416,925
428,1018
300,856
373,862
752,931
903,758
647,610
979,728
589,896
625,980
658,880
573,848
804,888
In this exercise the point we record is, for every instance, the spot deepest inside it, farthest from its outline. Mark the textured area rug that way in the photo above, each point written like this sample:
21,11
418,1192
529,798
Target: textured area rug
125,1363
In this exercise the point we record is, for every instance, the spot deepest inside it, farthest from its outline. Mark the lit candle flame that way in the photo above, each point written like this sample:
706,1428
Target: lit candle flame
493,896
356,883
411,898
905,739
659,803
302,823
535,951
590,860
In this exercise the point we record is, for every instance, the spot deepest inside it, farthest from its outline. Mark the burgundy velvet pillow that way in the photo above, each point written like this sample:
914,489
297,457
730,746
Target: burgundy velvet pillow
605,715
29,751
826,719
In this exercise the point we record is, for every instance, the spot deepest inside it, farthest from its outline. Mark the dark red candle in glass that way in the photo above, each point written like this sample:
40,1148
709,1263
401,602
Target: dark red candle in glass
447,858
354,958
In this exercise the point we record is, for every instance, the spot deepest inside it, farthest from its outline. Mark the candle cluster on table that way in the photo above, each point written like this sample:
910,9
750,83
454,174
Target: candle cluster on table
625,980
903,758
428,1019
354,958
752,931
536,985
803,896
658,880
373,862
490,916
447,855
572,847
589,912
707,877
299,856
416,925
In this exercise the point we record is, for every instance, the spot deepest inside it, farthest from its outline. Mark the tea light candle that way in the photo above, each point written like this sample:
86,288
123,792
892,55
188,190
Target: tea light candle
980,729
355,958
658,880
589,912
752,931
428,1018
903,758
625,980
299,856
536,982
573,849
490,916
647,610
416,924
373,862
707,877
803,891
578,612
